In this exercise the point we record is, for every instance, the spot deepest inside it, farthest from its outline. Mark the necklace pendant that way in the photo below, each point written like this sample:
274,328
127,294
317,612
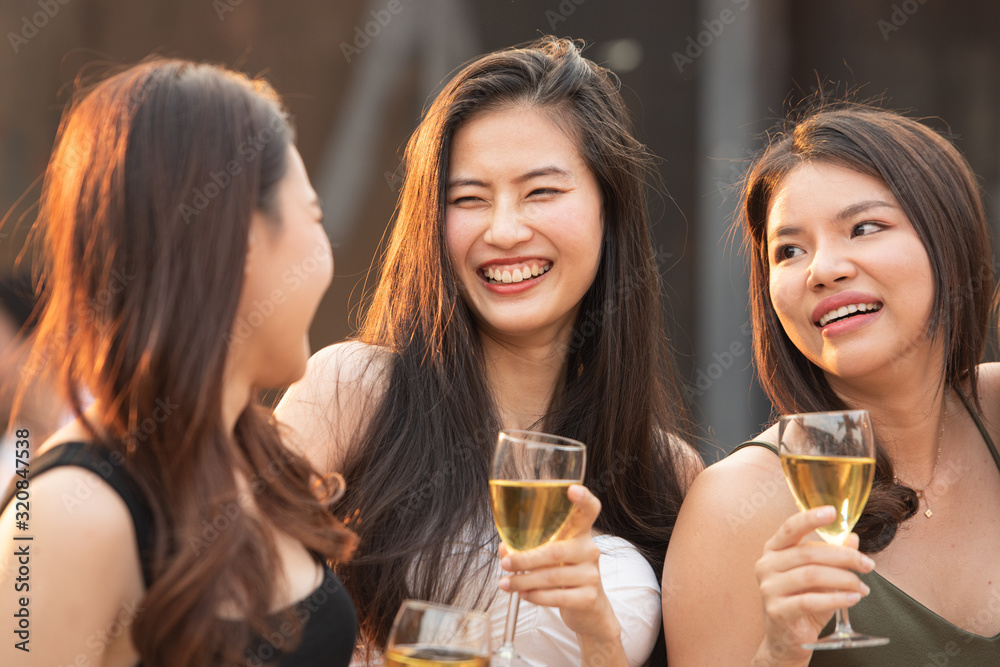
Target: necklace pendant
928,513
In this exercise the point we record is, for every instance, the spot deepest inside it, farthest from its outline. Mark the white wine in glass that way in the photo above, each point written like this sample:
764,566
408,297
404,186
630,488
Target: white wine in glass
433,635
829,459
529,483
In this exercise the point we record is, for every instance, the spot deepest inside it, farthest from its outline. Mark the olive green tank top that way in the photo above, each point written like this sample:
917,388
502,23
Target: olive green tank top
917,636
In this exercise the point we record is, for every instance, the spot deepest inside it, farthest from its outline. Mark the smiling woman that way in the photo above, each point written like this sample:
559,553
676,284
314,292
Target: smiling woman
173,525
870,289
521,227
523,207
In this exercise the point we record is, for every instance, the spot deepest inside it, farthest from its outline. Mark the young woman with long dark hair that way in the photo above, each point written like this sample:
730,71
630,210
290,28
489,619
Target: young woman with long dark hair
519,290
870,289
168,524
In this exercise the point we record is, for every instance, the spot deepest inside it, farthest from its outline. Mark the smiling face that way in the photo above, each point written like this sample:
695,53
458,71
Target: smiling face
850,279
523,222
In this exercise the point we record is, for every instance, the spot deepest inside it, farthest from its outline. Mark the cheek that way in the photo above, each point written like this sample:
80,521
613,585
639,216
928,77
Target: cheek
782,301
458,239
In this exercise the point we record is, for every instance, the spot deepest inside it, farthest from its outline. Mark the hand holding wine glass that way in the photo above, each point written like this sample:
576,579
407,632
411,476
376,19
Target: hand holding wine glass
530,480
828,459
564,573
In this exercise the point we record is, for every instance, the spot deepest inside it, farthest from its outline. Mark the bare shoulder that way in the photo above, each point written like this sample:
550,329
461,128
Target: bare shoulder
731,510
323,412
70,502
80,569
742,495
988,378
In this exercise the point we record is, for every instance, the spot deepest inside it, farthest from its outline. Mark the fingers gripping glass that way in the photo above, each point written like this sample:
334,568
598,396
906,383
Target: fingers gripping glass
432,635
529,483
829,459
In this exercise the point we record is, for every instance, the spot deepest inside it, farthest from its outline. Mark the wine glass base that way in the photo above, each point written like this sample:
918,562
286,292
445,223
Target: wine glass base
845,640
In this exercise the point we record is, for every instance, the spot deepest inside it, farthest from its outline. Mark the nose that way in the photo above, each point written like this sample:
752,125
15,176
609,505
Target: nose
507,226
831,263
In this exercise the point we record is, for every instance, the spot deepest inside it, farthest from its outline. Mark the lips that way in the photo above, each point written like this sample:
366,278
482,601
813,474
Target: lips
515,270
843,306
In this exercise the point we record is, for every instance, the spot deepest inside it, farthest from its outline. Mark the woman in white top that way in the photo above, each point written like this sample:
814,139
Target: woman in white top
519,289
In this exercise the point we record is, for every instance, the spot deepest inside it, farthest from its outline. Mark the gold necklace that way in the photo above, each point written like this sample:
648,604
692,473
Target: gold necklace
921,493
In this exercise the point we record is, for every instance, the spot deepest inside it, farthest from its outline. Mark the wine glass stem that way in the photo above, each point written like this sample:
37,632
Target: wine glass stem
507,650
843,623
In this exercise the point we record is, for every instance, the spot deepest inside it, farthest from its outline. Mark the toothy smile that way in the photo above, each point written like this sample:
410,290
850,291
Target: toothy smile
502,274
848,310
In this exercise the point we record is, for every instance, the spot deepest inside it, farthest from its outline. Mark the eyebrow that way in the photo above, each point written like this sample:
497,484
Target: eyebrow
847,213
551,170
784,230
861,207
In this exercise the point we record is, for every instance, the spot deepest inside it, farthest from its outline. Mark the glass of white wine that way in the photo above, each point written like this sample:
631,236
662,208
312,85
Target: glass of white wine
829,459
529,483
434,635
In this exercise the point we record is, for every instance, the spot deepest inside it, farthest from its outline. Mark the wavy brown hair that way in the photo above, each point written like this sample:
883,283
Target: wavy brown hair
937,190
418,476
142,277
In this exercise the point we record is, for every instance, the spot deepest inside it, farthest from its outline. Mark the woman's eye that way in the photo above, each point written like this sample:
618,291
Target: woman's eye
468,199
786,252
865,228
544,192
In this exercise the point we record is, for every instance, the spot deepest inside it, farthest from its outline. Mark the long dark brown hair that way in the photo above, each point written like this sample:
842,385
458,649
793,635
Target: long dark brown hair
417,477
142,272
937,190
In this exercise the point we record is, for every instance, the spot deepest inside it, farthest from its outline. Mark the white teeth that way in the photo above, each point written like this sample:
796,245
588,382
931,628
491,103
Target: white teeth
516,275
843,311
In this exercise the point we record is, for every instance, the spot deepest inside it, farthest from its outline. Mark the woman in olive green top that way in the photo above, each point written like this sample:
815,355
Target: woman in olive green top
870,288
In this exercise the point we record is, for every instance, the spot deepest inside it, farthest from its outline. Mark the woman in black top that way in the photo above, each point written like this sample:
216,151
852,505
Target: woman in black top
184,259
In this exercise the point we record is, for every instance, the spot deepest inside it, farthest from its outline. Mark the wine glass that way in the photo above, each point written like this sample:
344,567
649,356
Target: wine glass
529,483
829,459
435,635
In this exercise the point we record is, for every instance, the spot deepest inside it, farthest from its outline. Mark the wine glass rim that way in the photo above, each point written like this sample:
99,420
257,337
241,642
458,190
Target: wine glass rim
521,436
822,413
435,606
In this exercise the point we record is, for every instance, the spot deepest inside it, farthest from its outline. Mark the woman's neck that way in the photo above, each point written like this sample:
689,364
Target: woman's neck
523,378
907,410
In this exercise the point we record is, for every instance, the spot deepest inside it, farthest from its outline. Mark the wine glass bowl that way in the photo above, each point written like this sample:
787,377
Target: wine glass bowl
828,458
432,635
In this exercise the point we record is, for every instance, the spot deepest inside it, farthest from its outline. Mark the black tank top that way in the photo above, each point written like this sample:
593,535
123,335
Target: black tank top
329,622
